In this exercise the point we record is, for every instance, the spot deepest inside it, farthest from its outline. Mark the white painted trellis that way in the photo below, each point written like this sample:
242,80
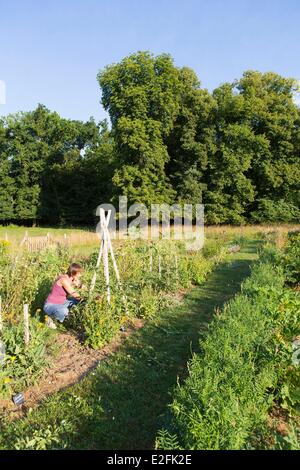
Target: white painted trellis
106,248
26,324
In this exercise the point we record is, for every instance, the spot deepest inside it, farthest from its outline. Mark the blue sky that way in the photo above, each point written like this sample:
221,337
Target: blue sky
51,50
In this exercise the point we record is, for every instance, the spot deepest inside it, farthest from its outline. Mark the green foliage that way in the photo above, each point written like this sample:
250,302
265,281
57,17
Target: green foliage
148,273
101,321
141,96
23,365
49,436
145,366
269,210
291,258
148,302
191,140
27,278
52,168
236,149
4,249
290,441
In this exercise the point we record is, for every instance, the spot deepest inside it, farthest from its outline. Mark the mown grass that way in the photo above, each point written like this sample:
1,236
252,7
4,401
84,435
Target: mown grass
121,404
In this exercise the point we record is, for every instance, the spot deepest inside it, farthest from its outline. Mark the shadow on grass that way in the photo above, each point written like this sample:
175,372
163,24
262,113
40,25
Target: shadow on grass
135,386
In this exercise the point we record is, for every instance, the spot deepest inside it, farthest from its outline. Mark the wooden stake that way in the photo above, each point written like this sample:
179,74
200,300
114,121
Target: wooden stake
176,267
24,239
102,221
93,283
159,266
106,266
1,320
26,324
116,270
113,258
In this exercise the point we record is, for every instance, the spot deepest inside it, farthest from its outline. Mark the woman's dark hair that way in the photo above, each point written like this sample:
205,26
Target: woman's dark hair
73,269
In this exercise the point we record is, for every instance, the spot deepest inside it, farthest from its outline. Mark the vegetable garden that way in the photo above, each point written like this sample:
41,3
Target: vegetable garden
242,381
150,273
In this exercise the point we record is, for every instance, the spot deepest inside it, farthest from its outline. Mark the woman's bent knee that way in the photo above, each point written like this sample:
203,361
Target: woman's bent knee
58,312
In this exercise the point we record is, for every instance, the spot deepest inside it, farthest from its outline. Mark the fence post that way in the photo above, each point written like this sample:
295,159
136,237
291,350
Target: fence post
26,324
1,321
150,263
176,268
159,266
105,265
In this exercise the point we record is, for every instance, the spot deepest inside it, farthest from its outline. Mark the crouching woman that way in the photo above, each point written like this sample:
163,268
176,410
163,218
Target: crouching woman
63,295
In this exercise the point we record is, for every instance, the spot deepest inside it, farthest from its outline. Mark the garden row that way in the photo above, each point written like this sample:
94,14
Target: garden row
248,366
151,273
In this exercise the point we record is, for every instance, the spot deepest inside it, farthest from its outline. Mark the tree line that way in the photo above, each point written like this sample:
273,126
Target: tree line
236,149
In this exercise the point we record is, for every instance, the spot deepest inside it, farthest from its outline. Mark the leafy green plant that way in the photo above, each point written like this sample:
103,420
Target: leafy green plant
291,258
23,365
53,433
148,303
148,272
101,321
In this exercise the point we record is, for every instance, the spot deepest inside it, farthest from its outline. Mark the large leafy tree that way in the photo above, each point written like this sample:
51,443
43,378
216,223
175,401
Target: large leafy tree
270,111
53,169
236,149
191,140
229,190
27,152
142,96
7,186
74,185
254,172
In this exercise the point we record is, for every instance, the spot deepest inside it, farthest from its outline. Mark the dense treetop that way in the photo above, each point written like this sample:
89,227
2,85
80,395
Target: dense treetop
236,150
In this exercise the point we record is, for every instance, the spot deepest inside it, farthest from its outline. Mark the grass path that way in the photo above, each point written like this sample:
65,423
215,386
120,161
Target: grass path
120,405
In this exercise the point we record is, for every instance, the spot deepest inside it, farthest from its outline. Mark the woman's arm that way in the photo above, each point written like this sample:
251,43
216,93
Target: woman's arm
79,284
67,285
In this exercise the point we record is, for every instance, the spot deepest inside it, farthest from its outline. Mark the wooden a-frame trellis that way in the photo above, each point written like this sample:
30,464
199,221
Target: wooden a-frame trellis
106,248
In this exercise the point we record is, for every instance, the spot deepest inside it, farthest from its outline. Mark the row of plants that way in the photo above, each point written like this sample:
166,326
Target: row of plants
149,273
247,365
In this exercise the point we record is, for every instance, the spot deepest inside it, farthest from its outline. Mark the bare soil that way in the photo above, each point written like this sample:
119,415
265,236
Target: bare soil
278,419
